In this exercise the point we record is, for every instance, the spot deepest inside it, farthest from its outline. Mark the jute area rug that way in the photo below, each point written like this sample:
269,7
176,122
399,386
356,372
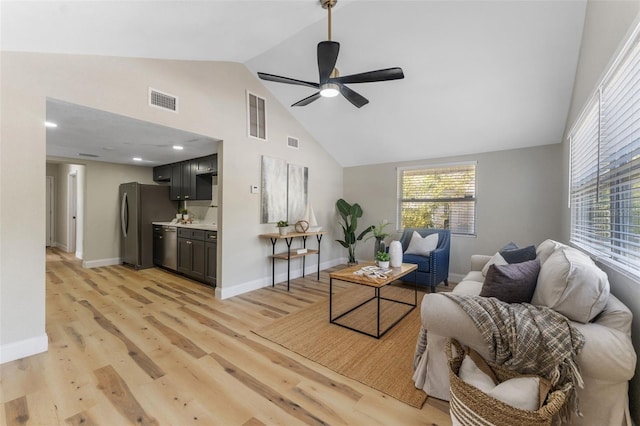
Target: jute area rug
385,364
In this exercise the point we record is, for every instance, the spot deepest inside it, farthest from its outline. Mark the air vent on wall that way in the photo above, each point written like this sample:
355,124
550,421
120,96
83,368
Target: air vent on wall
293,142
163,100
82,154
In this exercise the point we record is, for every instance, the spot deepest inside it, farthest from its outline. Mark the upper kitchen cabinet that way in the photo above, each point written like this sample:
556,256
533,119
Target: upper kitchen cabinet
206,165
162,173
191,179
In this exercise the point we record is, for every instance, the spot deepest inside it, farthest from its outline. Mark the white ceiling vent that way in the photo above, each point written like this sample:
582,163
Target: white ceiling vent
293,142
162,100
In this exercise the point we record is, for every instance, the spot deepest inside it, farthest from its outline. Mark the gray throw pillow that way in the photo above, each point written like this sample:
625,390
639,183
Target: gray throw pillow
509,246
519,255
514,283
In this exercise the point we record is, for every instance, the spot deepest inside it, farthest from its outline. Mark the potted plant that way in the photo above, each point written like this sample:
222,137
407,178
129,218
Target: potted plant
282,227
379,234
350,214
382,257
184,212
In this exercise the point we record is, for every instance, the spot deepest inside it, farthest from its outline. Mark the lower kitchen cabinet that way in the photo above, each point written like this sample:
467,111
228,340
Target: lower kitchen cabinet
210,255
191,253
196,253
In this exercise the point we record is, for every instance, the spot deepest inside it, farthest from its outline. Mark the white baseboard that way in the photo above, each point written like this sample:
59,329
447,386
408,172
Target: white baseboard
24,348
101,262
226,292
61,246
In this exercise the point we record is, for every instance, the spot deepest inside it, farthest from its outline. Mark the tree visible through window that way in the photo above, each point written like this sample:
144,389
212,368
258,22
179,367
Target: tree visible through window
438,197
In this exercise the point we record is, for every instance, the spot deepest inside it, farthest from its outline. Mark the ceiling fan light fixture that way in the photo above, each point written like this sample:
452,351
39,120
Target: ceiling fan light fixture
329,90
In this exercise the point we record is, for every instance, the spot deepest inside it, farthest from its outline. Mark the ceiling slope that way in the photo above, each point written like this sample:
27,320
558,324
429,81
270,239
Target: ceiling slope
479,75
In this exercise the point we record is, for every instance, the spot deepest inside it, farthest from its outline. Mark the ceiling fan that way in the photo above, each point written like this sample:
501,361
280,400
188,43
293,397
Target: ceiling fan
331,83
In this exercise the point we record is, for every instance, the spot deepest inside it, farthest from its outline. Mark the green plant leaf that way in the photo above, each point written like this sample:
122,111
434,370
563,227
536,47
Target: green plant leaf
365,232
357,210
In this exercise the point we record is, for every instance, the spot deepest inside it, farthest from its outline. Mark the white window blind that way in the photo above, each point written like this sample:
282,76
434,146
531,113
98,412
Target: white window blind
605,166
438,197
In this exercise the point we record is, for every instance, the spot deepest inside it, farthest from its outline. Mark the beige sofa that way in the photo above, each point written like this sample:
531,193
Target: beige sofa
607,361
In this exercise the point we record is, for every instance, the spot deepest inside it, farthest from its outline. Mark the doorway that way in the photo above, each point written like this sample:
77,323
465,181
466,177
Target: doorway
49,211
72,196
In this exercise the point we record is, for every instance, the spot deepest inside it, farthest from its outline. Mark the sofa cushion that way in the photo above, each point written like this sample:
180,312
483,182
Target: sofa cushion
519,255
472,288
513,283
474,276
570,283
496,259
422,246
546,249
421,261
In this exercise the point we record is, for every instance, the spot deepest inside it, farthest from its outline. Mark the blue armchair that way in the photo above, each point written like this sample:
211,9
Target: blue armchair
432,269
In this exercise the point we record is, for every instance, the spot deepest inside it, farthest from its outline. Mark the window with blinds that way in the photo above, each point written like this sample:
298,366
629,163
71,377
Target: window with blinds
605,166
257,114
438,197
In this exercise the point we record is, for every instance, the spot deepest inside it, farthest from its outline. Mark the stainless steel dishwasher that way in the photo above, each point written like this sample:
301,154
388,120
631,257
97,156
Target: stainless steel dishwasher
168,248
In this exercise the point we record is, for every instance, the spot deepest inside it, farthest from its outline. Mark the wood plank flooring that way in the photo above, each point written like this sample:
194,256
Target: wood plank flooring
151,348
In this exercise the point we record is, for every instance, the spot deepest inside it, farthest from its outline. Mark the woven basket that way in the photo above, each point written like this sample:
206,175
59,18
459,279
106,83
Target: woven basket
471,406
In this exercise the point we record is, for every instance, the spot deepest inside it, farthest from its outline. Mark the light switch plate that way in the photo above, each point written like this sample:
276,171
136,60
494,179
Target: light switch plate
254,189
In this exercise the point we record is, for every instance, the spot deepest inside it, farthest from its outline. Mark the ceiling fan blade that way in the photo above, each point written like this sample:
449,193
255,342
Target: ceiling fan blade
307,100
327,57
371,76
355,98
287,80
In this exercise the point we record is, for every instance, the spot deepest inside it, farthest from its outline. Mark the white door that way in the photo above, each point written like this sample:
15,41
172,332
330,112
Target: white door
49,212
73,210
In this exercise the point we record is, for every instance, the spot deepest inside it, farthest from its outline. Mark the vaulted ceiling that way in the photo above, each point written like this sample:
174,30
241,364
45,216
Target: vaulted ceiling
479,75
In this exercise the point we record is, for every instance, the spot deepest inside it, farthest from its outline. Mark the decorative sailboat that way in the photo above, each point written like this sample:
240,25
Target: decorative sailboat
310,217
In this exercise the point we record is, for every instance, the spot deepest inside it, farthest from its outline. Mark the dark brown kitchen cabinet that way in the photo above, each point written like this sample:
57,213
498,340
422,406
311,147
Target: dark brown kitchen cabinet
206,165
210,254
162,173
191,253
191,179
183,181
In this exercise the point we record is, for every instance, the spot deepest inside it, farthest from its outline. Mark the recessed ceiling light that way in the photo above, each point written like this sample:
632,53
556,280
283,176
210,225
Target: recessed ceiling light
137,159
178,147
50,124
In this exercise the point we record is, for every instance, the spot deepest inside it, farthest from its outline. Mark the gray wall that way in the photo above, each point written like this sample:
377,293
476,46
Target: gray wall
519,195
607,25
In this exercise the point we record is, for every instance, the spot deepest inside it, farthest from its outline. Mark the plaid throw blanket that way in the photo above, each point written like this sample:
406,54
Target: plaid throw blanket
530,340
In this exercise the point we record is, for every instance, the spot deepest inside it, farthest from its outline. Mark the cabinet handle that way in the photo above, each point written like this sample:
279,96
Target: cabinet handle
186,196
189,242
160,237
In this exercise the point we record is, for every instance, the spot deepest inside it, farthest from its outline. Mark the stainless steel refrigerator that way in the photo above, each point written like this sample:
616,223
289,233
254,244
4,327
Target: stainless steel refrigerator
139,206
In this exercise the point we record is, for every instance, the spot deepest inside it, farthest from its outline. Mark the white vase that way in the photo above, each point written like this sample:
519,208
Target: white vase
384,264
283,230
395,252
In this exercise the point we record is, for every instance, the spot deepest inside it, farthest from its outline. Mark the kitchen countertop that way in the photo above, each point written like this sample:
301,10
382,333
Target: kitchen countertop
204,226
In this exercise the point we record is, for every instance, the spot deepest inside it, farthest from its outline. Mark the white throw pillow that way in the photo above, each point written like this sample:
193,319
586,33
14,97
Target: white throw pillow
497,259
570,283
422,246
520,392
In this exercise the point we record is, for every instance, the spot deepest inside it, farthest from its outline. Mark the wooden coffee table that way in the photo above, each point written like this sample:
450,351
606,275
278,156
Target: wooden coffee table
348,275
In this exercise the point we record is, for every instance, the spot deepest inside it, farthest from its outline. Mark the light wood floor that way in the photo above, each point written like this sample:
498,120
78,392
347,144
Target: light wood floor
148,347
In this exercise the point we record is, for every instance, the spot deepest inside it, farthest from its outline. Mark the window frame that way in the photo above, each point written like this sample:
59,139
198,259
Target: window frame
399,200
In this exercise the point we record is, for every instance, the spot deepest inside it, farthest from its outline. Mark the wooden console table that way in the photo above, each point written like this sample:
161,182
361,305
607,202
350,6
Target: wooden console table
288,255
